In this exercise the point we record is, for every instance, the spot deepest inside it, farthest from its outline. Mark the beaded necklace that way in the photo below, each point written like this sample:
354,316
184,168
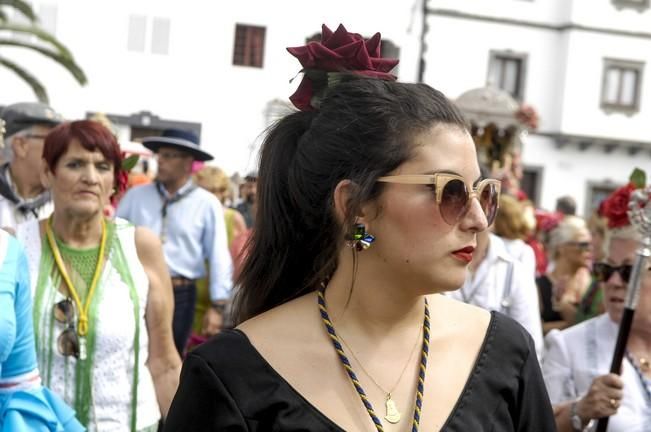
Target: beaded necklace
353,378
82,326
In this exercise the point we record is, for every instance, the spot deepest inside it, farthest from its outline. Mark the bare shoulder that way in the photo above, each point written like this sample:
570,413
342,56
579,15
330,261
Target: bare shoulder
291,324
147,243
457,319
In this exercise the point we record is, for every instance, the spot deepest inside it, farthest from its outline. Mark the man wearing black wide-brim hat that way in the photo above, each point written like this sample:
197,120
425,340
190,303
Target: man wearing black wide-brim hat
22,195
190,221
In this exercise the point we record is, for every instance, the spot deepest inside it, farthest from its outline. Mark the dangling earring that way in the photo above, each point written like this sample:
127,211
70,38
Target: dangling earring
359,239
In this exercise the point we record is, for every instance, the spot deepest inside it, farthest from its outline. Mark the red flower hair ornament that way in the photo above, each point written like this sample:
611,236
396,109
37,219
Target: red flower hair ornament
616,206
122,176
338,52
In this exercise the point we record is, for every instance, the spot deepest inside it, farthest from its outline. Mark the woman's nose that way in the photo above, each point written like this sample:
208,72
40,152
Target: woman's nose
474,218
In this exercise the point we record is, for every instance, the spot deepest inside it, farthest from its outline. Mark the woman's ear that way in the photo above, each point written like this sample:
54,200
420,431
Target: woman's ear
343,197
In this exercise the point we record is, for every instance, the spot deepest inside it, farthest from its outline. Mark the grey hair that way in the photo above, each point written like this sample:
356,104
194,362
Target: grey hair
565,232
627,232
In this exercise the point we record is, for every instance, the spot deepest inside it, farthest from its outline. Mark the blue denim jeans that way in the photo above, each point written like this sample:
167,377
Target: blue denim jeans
185,298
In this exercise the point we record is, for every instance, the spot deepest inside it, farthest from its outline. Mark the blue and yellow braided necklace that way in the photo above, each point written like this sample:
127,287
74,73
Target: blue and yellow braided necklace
390,405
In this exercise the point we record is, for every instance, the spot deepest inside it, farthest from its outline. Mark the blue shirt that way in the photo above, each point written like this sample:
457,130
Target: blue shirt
17,353
195,233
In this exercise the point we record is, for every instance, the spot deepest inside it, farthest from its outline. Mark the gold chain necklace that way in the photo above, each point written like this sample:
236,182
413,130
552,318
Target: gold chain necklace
82,325
393,415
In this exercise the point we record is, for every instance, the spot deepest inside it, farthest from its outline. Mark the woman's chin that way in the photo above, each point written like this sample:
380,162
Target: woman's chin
85,209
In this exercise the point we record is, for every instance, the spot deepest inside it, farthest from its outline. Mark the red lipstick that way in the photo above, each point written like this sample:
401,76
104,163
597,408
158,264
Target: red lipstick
464,254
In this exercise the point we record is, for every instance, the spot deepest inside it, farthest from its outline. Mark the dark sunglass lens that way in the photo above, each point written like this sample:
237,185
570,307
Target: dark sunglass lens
625,272
68,343
63,312
453,201
489,201
602,272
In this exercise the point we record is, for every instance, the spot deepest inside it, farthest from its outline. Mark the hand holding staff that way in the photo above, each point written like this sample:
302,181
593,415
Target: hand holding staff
639,213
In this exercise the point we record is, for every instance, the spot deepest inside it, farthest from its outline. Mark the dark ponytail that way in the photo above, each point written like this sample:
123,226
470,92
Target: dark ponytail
363,129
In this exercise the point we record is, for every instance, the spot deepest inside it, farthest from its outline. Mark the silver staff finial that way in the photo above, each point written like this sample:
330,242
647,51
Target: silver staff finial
639,213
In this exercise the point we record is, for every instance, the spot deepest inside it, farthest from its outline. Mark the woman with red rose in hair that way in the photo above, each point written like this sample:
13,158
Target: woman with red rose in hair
578,359
372,199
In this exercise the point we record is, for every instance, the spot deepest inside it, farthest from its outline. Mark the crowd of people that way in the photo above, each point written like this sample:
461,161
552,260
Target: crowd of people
371,275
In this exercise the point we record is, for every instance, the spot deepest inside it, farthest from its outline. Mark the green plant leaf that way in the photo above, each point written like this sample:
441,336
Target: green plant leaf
130,162
21,6
67,62
638,178
41,34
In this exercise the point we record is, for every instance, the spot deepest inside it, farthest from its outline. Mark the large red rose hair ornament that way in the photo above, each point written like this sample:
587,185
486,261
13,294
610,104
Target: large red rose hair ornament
615,207
338,52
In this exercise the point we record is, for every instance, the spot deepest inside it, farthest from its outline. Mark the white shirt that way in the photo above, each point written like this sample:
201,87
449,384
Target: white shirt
10,216
501,283
521,252
579,354
196,233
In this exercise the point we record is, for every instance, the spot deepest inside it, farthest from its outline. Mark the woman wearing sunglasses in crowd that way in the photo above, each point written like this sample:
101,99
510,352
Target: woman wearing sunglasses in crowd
372,199
577,360
102,298
568,276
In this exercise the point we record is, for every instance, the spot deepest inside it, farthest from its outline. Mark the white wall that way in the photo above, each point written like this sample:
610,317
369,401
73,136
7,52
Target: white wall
582,113
603,13
196,81
567,171
458,63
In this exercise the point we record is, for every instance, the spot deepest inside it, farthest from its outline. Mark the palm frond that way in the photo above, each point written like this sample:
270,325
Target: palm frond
30,79
21,6
67,62
39,33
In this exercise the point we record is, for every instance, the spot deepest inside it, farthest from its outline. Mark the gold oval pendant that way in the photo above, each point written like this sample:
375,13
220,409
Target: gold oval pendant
393,415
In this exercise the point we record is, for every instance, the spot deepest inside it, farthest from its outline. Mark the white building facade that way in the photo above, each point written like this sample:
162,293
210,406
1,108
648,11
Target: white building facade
583,64
222,69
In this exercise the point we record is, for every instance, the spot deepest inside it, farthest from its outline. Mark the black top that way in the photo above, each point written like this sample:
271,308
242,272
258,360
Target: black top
546,289
226,385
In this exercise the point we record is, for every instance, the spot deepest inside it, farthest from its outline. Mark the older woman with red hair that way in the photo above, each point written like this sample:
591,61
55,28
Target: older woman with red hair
102,296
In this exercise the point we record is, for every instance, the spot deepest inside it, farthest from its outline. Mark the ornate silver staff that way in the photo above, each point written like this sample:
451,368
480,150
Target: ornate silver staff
639,213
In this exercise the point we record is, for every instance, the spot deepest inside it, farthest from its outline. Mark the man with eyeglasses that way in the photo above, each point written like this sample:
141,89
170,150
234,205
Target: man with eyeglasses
190,222
22,195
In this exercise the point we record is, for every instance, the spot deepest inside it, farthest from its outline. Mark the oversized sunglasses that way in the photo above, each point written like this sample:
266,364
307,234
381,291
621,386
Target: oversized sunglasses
602,271
454,194
68,341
